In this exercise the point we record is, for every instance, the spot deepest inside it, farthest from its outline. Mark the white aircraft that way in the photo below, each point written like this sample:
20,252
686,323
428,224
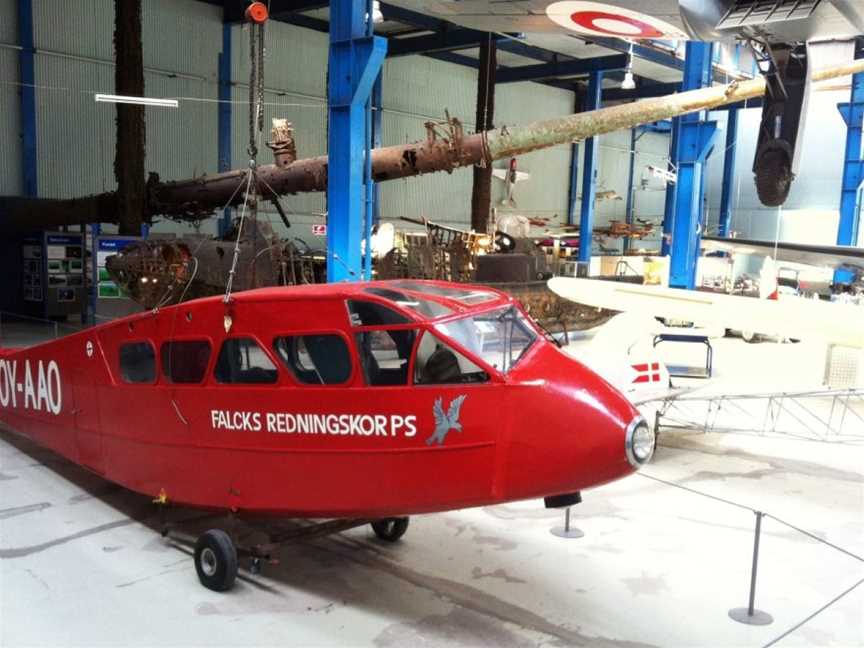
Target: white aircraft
668,177
833,323
510,176
622,350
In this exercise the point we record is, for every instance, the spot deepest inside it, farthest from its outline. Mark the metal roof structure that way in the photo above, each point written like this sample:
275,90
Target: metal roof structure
558,60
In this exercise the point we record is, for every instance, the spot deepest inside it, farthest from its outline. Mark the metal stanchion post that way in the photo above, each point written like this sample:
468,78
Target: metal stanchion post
750,615
567,531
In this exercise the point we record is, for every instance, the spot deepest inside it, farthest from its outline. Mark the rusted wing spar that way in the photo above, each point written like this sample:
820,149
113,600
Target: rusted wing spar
445,148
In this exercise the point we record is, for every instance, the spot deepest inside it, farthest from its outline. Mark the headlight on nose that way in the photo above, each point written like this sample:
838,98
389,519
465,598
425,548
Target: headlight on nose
639,442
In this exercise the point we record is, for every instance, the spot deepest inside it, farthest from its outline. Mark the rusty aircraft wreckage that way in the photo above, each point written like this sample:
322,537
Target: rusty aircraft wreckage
186,271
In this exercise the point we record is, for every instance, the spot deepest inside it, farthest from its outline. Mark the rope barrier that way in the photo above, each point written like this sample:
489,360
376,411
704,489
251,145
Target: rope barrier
806,619
761,514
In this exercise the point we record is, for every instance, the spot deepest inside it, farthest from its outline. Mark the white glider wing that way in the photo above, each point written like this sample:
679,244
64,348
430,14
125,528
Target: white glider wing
841,324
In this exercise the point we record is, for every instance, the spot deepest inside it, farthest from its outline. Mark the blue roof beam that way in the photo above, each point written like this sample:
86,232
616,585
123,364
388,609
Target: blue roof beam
450,40
644,52
544,71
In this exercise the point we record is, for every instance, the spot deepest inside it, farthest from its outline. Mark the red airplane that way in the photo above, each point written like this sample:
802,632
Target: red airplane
364,402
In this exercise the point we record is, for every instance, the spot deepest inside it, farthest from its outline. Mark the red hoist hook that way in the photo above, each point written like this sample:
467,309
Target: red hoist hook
257,13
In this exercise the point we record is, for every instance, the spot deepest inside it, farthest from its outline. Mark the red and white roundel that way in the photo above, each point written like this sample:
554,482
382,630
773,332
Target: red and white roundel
598,19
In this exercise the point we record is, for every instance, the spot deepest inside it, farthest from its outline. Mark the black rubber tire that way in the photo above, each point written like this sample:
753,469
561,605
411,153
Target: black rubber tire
216,560
773,177
390,529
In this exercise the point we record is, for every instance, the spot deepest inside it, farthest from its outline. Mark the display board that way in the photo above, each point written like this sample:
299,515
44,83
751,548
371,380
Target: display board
107,299
32,275
53,272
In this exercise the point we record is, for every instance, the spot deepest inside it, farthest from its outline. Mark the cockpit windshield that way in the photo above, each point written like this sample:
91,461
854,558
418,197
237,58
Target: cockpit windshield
500,337
424,307
467,296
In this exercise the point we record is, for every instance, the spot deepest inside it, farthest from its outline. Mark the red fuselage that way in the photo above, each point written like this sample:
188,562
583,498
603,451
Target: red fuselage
342,400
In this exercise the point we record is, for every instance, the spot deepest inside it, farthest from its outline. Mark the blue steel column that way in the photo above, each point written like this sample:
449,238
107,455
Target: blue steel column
853,169
695,140
728,172
355,61
224,116
669,204
27,79
589,173
573,191
377,140
628,211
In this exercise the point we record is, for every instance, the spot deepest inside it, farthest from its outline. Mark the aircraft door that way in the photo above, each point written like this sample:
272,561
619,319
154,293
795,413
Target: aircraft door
88,429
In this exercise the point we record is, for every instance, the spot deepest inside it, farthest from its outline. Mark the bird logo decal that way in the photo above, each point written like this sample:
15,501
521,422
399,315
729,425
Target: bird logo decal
444,422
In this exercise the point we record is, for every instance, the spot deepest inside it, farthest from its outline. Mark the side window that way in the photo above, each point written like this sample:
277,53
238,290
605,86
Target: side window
438,363
366,313
385,356
315,359
138,363
242,362
185,362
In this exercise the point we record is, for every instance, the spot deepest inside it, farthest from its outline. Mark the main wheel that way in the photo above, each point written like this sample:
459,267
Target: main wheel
773,177
216,560
390,529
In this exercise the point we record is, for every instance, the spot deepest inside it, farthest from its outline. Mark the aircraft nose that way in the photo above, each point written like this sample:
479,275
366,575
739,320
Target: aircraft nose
583,433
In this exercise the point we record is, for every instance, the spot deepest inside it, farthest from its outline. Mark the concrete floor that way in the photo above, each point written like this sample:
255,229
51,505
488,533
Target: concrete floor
82,562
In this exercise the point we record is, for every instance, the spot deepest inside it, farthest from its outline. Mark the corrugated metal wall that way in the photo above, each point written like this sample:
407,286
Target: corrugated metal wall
10,124
10,121
418,90
76,135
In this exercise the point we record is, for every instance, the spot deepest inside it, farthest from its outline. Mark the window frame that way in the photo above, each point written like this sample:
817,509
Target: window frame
414,319
208,370
277,363
495,375
294,380
417,327
156,362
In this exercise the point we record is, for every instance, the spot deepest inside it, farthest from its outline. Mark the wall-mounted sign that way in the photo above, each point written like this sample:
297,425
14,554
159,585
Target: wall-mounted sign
105,247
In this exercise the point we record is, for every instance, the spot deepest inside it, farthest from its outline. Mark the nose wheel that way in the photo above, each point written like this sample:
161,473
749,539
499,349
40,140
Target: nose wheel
390,529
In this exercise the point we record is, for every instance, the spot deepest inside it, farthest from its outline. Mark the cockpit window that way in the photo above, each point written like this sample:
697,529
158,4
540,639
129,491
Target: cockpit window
138,362
424,307
500,337
242,362
367,313
315,359
467,296
385,354
184,362
438,363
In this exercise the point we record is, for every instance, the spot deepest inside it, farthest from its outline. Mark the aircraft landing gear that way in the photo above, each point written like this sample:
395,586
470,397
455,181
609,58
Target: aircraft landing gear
775,163
216,560
217,556
390,529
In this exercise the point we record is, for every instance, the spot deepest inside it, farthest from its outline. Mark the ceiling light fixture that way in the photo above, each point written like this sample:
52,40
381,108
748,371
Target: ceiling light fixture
629,83
138,101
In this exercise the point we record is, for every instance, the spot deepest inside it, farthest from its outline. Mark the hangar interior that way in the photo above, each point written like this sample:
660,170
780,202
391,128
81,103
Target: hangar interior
139,174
